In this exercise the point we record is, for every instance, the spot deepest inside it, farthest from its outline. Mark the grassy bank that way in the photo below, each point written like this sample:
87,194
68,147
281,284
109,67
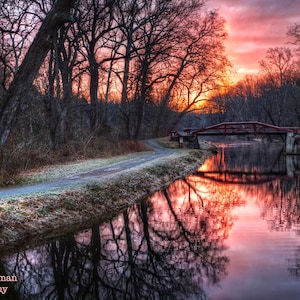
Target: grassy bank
41,218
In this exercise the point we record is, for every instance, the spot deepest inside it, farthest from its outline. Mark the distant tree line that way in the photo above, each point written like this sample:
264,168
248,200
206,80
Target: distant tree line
272,96
127,68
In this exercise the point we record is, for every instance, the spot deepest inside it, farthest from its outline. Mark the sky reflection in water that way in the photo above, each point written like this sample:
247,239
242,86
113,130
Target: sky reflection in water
210,235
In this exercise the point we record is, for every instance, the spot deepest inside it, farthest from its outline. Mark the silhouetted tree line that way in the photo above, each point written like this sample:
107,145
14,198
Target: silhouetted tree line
71,70
272,96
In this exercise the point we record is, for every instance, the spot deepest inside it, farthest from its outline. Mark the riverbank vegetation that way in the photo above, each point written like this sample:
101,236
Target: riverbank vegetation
18,158
41,217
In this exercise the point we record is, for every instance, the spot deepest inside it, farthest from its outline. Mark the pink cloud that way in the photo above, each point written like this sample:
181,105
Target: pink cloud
254,27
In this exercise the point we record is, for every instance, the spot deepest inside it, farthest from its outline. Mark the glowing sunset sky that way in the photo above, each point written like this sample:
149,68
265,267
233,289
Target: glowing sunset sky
255,26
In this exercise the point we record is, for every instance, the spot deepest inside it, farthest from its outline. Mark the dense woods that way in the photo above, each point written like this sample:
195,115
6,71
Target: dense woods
78,75
73,72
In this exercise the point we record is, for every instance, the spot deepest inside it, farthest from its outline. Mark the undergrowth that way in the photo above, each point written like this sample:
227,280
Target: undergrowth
19,157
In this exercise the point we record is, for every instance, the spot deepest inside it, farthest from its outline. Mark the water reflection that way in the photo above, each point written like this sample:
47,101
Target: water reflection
198,237
161,248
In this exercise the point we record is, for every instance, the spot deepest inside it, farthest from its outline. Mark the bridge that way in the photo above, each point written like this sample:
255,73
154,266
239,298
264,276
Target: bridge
242,128
254,128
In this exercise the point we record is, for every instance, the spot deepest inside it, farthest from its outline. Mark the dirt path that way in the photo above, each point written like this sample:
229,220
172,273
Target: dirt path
157,155
81,195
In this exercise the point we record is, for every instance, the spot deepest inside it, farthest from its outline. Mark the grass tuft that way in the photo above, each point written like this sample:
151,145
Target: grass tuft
16,158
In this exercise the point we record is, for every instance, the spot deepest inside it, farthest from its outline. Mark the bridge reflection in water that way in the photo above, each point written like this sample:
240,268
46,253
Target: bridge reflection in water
198,238
250,166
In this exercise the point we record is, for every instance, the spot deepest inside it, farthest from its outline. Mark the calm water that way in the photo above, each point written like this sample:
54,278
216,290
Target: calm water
230,231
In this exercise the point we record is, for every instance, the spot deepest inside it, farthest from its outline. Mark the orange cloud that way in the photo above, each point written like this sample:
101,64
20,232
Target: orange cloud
254,27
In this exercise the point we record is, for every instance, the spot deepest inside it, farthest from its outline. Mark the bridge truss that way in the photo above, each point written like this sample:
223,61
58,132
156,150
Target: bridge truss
242,128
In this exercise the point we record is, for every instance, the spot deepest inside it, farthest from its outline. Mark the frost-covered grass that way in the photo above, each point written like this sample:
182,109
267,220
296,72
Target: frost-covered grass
41,217
58,171
68,169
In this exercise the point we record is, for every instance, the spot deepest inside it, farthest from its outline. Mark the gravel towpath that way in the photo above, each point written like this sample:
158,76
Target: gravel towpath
67,182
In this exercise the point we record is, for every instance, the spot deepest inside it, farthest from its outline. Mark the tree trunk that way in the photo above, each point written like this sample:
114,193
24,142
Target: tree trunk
141,101
124,115
58,15
94,84
163,107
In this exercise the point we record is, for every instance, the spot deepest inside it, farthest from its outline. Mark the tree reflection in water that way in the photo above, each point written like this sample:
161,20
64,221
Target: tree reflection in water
171,245
166,247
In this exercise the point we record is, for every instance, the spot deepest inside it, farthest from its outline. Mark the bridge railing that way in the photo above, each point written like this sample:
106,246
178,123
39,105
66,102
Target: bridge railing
241,128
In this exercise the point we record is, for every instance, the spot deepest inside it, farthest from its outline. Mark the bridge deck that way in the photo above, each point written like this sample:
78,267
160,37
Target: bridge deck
241,133
242,128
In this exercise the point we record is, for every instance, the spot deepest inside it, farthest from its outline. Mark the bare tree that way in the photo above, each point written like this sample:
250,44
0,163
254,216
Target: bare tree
196,66
16,24
95,22
294,33
165,46
278,68
58,15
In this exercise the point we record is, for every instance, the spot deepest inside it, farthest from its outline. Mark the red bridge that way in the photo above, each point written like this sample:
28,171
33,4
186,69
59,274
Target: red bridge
241,128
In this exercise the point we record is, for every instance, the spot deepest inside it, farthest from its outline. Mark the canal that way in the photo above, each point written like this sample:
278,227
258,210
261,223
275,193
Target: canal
229,231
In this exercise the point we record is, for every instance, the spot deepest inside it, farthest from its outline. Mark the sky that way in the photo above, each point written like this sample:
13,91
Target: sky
254,26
